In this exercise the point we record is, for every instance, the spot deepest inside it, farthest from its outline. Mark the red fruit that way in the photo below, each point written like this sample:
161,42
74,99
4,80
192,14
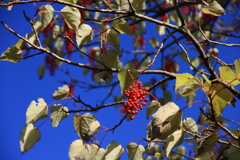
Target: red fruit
132,117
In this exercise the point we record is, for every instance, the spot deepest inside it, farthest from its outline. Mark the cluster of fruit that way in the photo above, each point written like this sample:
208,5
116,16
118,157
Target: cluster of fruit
136,98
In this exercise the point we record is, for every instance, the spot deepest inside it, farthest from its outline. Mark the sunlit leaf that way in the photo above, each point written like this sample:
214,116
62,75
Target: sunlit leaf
190,125
237,66
84,34
41,71
72,17
214,8
79,150
154,42
37,25
57,114
114,151
36,111
125,79
135,152
152,107
226,74
28,137
96,152
122,26
46,15
206,155
175,139
195,62
12,54
166,121
190,88
183,80
124,4
61,92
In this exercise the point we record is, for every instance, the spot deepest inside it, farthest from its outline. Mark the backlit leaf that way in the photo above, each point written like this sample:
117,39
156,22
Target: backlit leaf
135,152
84,34
79,150
125,79
174,140
36,111
57,114
114,151
183,80
46,15
12,54
61,92
122,26
96,152
214,8
166,121
190,88
190,125
72,17
28,137
226,74
152,107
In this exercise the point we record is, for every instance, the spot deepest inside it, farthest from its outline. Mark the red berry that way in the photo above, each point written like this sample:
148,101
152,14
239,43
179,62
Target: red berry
132,117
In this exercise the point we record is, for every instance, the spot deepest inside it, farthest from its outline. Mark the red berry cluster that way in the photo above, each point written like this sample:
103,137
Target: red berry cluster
136,98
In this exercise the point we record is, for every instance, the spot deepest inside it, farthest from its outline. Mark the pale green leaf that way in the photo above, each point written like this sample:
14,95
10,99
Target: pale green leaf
114,151
135,152
226,74
154,42
61,92
28,137
32,36
79,150
125,79
152,107
57,114
84,34
12,54
166,121
72,17
36,111
183,80
195,62
124,5
96,152
175,139
46,15
214,8
237,66
190,125
41,71
122,26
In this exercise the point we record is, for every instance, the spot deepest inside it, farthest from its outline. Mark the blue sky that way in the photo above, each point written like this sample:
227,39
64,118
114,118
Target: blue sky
20,85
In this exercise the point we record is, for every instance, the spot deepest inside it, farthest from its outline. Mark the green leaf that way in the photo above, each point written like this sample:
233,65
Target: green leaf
110,58
233,152
96,152
86,125
125,79
207,155
190,88
114,151
190,125
111,36
46,15
167,96
79,150
32,37
174,140
226,74
72,17
183,80
28,137
124,5
214,8
237,66
12,54
138,5
135,152
195,62
57,114
166,121
61,92
41,71
122,26
152,107
36,111
84,34
154,42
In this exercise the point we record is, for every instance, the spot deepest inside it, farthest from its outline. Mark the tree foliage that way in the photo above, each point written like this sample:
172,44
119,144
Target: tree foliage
117,42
